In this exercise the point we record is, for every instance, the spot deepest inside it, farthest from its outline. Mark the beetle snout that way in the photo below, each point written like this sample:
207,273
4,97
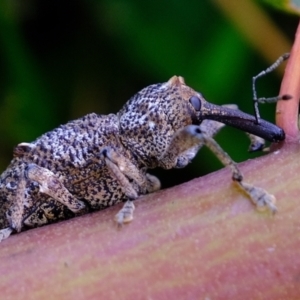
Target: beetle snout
243,121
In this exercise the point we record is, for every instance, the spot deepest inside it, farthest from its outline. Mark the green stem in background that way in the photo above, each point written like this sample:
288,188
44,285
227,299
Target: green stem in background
241,13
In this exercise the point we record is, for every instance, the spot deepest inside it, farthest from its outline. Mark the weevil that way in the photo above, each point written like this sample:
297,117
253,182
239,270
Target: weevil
99,160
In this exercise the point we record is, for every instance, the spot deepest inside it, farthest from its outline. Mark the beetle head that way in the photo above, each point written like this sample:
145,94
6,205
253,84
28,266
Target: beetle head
150,118
200,110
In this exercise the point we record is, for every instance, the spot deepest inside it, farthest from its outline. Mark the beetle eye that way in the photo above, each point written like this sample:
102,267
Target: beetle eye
196,102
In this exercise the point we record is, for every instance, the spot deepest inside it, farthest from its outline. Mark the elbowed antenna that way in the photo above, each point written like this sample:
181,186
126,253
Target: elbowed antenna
238,119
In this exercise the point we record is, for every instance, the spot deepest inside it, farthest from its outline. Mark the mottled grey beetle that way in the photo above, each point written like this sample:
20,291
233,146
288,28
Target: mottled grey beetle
100,160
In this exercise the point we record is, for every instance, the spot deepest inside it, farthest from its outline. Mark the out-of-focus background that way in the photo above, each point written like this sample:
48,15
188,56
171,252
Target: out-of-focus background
60,60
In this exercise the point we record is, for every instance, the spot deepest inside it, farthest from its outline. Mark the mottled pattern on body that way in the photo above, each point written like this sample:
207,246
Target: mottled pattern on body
97,161
72,152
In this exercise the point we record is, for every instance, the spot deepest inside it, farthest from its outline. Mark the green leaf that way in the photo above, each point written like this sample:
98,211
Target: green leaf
291,6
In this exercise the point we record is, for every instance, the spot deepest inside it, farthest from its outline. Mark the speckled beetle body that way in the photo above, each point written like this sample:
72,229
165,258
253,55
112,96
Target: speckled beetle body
98,161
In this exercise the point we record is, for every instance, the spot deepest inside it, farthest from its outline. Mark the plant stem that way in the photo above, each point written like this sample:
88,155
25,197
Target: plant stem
287,111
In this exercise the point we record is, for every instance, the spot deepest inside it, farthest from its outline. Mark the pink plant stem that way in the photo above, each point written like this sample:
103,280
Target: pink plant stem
287,111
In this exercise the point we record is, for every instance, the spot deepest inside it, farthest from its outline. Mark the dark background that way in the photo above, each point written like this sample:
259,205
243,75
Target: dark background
60,60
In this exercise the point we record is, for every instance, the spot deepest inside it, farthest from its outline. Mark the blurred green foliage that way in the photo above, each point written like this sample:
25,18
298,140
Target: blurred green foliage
291,6
60,60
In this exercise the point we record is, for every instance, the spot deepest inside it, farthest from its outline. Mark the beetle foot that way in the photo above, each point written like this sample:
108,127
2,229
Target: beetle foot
125,215
257,143
5,233
259,196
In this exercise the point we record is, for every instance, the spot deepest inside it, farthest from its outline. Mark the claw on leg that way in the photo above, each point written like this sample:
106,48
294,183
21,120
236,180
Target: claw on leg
125,215
257,143
259,196
5,233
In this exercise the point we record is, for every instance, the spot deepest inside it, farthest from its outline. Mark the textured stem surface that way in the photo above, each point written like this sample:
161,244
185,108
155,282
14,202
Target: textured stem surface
287,111
199,240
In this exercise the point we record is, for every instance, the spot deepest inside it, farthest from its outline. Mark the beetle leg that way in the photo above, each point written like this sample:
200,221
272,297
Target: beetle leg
259,197
52,186
126,172
16,211
256,143
125,214
48,211
37,218
5,233
256,100
183,149
118,163
192,136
